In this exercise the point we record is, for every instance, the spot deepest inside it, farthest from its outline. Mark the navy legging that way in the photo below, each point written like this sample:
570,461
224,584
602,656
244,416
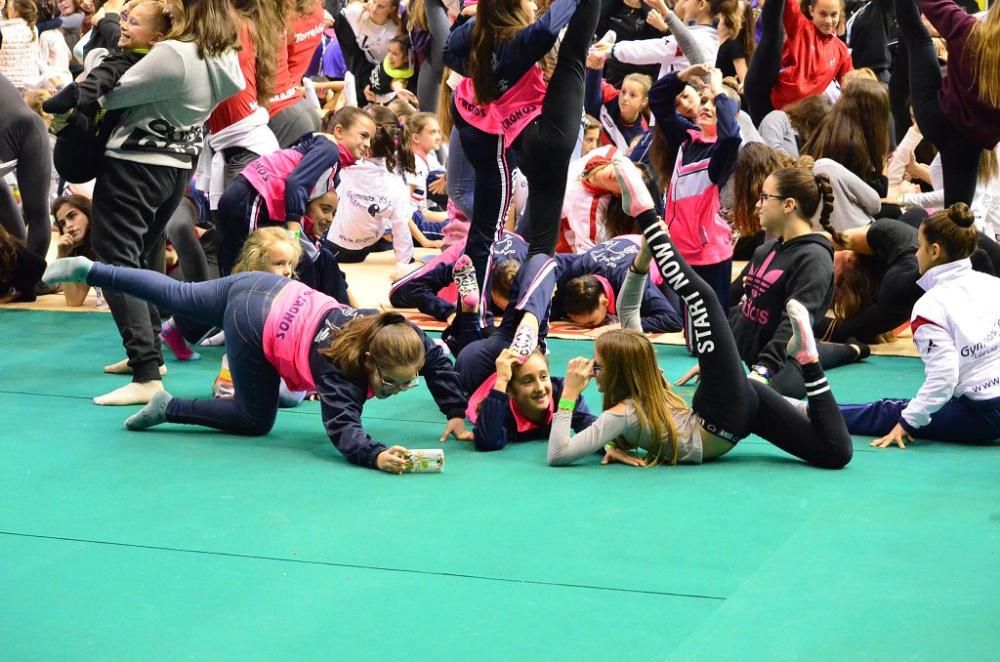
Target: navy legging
239,304
543,152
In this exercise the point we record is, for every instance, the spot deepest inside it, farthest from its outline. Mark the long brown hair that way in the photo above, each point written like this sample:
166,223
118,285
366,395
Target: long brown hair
953,229
807,114
632,373
755,162
496,22
729,13
856,132
748,31
982,48
385,139
389,336
208,23
27,11
265,20
855,288
444,105
8,253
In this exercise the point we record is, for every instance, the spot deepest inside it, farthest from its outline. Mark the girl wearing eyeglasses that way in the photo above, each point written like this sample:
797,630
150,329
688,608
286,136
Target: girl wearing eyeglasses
642,412
277,329
798,265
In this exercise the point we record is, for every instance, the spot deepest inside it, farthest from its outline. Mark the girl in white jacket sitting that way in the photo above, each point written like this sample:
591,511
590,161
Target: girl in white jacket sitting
375,200
956,327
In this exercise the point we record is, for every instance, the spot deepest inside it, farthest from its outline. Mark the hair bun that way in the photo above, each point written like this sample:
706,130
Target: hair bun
961,215
392,318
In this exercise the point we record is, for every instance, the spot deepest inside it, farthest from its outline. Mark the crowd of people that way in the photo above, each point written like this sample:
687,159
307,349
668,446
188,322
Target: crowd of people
602,162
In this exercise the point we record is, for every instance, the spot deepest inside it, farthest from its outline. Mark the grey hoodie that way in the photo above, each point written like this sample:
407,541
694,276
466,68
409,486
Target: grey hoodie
167,96
855,203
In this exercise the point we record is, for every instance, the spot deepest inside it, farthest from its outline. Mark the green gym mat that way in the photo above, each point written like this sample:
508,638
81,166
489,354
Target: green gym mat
182,543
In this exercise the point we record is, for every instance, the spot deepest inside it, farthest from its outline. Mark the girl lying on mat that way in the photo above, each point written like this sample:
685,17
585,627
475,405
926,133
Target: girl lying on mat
280,329
642,412
956,327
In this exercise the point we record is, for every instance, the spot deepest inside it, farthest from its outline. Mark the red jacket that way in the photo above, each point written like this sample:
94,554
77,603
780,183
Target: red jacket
810,60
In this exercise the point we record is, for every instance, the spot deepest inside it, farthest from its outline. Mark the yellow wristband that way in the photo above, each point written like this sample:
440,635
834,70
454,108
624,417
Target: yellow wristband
567,404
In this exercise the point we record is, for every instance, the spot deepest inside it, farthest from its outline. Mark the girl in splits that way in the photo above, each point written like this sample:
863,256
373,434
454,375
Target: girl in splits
280,329
505,104
640,410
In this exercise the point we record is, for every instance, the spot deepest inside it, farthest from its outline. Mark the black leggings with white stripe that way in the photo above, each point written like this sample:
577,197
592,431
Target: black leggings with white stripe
731,405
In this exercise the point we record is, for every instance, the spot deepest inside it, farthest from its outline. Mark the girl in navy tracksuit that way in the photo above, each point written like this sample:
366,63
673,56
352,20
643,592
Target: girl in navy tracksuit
273,189
276,329
622,113
586,288
422,288
276,188
505,104
517,403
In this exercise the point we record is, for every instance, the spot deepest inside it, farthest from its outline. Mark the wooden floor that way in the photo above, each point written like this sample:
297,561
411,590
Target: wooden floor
370,281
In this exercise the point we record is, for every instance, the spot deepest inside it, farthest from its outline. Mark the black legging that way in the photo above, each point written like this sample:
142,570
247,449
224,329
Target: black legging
765,63
542,150
731,405
959,156
24,138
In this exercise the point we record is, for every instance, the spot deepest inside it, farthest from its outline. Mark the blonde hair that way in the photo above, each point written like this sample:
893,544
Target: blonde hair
983,50
632,373
389,336
34,100
257,247
864,73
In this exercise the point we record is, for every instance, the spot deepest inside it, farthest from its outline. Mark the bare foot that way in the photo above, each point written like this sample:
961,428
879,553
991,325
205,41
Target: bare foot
122,368
136,393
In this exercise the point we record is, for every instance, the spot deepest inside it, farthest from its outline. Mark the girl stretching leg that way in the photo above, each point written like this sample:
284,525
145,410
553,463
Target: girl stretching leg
728,406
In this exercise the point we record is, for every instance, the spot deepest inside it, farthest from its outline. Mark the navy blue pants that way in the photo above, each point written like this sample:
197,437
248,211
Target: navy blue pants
476,354
239,304
960,421
543,151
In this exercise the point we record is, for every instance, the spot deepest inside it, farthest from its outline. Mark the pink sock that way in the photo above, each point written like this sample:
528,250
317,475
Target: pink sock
174,339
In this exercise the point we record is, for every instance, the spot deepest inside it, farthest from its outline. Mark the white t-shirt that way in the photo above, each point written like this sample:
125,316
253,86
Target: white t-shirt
372,199
417,181
583,213
373,39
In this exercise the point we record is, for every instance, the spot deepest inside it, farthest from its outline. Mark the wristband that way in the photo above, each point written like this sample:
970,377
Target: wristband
610,446
567,404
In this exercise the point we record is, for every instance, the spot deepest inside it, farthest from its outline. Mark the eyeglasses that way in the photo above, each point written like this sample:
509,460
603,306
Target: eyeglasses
394,386
764,196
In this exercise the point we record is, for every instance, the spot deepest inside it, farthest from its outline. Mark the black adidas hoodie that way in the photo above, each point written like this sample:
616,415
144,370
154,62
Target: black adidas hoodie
779,270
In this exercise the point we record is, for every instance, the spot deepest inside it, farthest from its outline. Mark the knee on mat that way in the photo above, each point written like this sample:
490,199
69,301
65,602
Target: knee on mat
837,459
256,426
